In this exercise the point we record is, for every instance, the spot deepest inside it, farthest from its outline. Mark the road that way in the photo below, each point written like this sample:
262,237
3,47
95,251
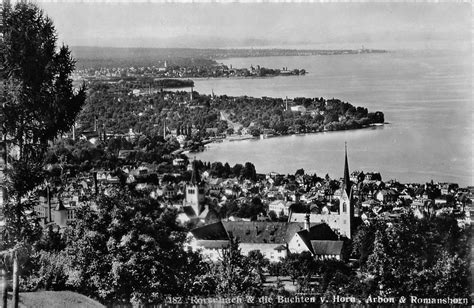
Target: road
235,125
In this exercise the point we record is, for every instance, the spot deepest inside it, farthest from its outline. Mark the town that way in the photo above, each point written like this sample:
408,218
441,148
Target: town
206,193
165,70
275,217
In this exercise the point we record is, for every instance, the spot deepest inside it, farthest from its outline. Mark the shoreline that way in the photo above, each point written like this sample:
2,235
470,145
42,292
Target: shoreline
249,137
237,138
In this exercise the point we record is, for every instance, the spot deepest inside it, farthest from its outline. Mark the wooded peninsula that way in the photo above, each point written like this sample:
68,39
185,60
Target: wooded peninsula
117,109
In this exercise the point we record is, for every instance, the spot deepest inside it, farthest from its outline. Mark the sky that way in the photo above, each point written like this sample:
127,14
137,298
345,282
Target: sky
287,25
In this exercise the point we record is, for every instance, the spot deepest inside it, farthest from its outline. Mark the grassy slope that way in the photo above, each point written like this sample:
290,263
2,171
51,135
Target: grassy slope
55,299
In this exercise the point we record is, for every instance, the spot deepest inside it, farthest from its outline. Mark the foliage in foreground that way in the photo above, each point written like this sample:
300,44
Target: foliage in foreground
132,251
423,257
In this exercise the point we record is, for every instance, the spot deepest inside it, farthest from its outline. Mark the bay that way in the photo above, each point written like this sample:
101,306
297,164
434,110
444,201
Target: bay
426,97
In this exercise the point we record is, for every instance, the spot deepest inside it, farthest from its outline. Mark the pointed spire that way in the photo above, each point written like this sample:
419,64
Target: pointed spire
194,175
347,180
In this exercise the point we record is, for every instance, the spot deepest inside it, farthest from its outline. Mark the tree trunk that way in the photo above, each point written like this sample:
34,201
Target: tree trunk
4,286
16,277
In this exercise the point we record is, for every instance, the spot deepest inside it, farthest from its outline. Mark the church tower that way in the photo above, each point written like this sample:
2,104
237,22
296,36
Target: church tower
346,206
195,191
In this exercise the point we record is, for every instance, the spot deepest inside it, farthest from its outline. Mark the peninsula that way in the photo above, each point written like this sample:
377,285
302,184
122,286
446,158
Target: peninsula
193,118
150,74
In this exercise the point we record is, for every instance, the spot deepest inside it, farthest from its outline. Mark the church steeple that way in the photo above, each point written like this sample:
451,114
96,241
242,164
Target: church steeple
195,179
346,205
195,191
347,179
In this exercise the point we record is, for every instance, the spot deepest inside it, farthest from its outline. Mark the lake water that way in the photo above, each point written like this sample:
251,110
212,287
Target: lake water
425,96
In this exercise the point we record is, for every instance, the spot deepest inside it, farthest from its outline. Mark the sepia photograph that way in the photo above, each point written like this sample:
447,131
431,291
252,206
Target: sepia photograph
186,153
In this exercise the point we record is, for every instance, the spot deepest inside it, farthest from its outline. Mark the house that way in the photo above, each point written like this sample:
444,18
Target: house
280,207
274,240
327,249
298,108
386,195
53,210
266,237
270,238
179,162
210,239
303,240
107,177
213,186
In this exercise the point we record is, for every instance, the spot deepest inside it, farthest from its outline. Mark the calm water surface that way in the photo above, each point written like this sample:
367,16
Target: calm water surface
426,97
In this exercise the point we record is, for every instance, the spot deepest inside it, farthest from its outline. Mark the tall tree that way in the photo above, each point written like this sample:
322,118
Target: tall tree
238,275
38,103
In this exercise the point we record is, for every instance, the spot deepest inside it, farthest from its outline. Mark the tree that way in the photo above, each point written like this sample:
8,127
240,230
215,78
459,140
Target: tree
412,257
298,265
363,242
248,172
236,275
300,172
39,98
258,263
38,104
450,276
129,249
273,216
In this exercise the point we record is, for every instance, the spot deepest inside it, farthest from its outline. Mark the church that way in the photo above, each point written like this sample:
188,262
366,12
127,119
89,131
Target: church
194,205
343,221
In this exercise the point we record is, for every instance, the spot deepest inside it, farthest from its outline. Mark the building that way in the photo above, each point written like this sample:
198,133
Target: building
210,239
343,221
54,210
179,162
298,108
274,240
320,240
193,204
270,238
280,207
